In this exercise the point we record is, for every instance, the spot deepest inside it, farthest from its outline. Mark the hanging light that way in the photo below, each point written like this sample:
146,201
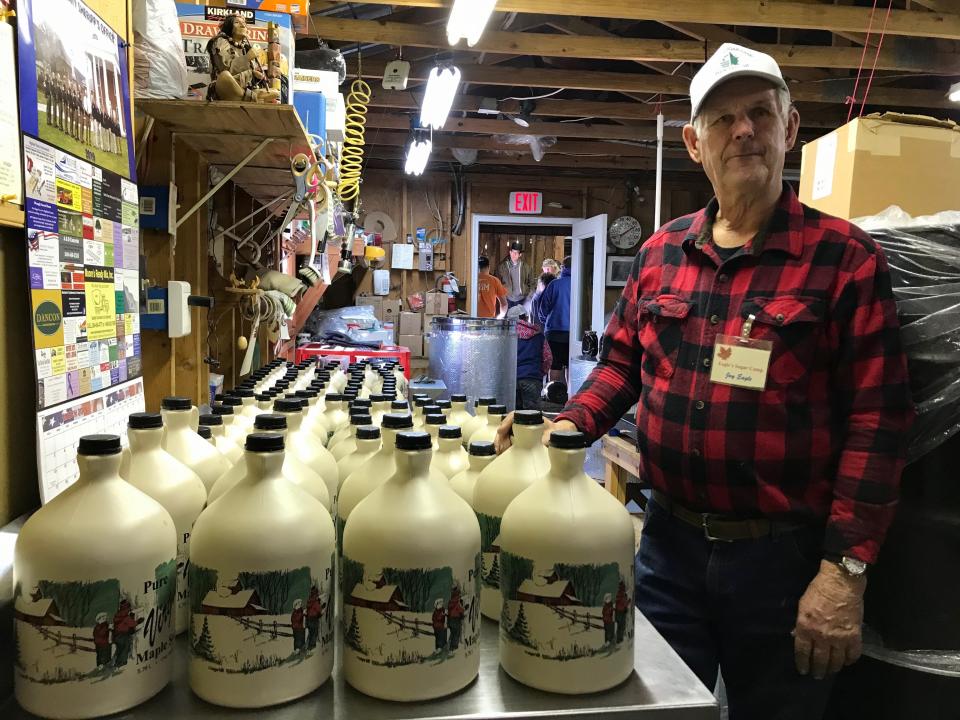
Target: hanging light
438,99
467,20
418,153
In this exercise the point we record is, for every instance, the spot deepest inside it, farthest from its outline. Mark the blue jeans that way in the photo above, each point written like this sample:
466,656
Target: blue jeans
732,606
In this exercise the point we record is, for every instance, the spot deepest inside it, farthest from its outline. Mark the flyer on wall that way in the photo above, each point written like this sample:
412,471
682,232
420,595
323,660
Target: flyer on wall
74,93
80,203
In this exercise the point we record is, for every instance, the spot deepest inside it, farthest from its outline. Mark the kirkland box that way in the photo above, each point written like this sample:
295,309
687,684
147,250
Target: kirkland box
199,24
880,160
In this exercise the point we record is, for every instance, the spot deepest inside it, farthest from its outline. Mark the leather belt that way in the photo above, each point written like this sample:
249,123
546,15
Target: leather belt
724,528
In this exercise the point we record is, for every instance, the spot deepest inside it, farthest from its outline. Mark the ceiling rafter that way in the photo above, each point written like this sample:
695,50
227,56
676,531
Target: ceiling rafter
833,91
617,48
783,13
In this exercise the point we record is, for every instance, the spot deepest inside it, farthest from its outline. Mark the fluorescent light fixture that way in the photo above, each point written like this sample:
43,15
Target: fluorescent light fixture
438,99
418,152
467,20
954,94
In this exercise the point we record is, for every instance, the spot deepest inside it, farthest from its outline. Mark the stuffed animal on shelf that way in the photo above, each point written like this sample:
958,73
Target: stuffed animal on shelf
236,67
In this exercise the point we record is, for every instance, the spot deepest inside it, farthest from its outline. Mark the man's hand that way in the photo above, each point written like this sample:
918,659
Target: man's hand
503,441
827,634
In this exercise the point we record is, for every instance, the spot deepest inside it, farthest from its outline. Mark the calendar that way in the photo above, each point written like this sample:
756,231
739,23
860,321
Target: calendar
59,431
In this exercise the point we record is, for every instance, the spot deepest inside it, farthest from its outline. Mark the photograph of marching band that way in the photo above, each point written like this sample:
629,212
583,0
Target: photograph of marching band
80,85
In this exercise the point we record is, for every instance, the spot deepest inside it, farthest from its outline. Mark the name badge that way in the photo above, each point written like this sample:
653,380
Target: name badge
740,361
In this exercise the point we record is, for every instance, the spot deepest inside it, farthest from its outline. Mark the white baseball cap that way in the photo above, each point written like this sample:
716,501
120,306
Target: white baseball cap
728,62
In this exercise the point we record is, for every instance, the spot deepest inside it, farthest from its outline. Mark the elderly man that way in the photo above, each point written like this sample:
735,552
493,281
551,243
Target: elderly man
760,339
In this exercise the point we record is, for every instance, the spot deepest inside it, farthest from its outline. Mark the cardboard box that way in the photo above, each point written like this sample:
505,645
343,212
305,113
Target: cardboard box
881,160
437,303
374,300
414,343
391,310
410,323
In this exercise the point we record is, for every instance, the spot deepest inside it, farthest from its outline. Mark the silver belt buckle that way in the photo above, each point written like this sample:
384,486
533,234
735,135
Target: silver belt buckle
706,529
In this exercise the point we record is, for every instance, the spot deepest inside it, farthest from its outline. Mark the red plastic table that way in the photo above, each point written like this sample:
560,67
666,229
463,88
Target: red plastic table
351,354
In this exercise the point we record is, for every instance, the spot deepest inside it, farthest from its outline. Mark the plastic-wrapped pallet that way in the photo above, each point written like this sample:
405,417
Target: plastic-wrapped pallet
924,258
160,70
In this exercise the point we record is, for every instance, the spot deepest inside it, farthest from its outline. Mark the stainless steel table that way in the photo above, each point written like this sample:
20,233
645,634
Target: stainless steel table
661,687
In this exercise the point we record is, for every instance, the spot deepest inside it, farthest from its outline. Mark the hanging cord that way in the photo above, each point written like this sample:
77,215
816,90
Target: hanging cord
351,158
852,99
876,57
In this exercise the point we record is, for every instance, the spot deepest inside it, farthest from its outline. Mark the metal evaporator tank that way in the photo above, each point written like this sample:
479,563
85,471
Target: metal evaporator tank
475,356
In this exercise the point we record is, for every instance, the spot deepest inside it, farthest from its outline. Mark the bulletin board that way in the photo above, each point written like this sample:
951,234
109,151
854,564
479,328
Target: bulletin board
81,201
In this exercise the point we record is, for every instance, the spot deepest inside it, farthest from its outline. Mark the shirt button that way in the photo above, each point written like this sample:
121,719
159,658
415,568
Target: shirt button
714,319
695,452
722,277
779,318
706,362
699,404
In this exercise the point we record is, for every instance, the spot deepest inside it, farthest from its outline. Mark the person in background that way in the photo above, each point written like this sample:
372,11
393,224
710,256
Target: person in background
490,292
533,360
516,275
542,283
772,490
549,266
554,316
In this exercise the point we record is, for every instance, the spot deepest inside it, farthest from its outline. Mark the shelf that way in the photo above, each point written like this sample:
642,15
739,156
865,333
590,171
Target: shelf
225,133
11,215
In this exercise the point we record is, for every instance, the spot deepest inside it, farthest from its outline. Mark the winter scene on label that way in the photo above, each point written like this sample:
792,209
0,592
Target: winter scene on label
490,550
249,622
565,612
93,631
410,617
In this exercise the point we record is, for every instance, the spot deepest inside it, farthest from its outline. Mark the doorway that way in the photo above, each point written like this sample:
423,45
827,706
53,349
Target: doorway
583,240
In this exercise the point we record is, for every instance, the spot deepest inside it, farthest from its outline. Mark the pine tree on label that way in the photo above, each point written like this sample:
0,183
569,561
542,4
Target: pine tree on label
493,577
203,647
352,637
520,631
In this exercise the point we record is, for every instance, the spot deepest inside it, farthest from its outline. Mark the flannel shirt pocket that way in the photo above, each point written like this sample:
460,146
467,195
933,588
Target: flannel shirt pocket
794,324
660,327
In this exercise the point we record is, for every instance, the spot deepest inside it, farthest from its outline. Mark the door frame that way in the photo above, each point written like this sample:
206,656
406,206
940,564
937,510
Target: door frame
475,222
595,229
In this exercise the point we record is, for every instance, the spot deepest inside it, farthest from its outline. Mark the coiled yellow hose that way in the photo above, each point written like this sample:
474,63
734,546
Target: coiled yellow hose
351,160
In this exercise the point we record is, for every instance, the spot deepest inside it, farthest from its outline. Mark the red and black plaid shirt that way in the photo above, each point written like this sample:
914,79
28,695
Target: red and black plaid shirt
824,442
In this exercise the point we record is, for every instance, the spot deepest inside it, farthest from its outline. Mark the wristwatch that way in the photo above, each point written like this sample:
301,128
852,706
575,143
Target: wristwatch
853,567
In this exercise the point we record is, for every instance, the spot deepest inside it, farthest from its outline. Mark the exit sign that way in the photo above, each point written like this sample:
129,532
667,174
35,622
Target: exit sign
526,203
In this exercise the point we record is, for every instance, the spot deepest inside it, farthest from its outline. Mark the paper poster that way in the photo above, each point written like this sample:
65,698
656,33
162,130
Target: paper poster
11,182
60,429
823,168
74,92
83,274
101,302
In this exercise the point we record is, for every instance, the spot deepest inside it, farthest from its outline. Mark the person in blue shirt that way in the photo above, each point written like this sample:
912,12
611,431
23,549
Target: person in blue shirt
554,316
533,359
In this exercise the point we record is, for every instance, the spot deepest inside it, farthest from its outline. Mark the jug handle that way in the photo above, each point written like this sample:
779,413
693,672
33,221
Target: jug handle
194,417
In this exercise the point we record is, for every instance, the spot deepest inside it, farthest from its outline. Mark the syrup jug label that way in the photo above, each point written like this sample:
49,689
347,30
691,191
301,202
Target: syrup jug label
93,631
247,622
410,617
564,612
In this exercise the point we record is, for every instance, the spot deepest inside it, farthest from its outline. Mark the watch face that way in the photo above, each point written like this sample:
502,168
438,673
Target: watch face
853,566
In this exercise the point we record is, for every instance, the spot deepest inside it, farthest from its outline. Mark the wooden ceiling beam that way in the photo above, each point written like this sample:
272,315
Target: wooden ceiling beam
579,26
831,91
564,146
783,13
557,129
444,155
892,57
549,107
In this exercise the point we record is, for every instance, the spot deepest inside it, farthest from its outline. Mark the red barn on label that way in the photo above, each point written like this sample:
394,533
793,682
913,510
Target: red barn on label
526,203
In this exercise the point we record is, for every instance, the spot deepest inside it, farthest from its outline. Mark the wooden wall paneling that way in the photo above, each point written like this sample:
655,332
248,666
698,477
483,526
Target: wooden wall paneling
190,265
